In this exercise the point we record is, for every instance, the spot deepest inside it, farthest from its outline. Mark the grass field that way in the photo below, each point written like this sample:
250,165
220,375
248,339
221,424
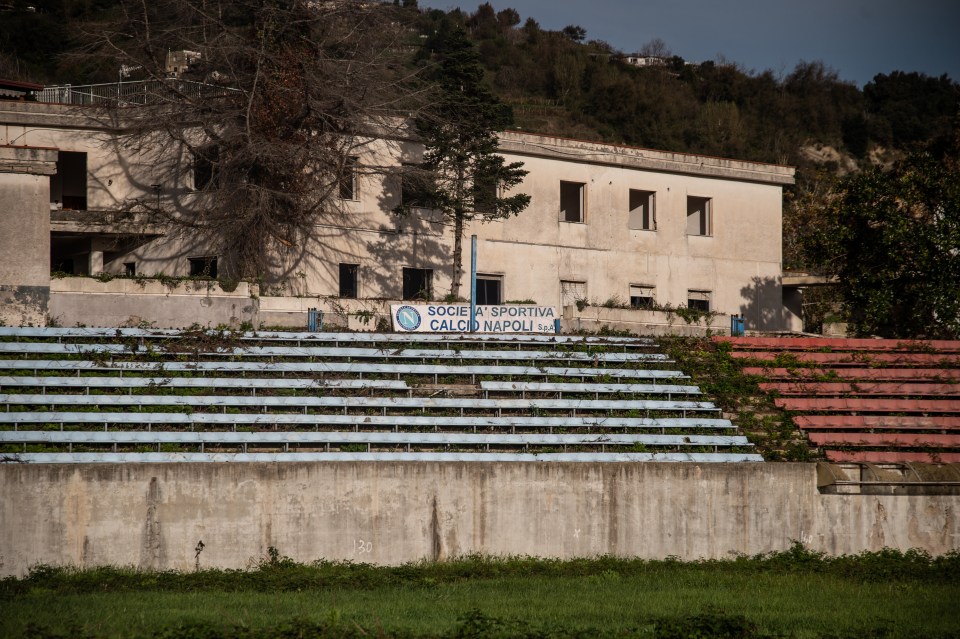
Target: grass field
791,594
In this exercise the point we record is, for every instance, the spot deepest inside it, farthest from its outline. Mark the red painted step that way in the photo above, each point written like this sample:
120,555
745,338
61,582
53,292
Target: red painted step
891,457
908,389
892,440
878,422
818,404
872,374
841,344
855,359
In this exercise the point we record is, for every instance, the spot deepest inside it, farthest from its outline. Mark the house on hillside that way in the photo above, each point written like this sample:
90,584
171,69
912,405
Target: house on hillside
607,224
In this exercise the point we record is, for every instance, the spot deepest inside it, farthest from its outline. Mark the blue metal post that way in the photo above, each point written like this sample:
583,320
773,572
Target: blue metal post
473,283
736,326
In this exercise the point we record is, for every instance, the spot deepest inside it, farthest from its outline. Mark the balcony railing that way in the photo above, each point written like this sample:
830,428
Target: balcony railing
133,93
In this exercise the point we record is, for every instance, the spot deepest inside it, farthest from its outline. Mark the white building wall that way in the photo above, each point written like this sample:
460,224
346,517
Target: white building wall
739,263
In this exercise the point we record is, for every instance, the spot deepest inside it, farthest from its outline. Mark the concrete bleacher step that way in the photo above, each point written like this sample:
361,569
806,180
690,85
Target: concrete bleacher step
67,420
473,457
826,389
833,344
111,395
874,422
893,401
844,358
862,374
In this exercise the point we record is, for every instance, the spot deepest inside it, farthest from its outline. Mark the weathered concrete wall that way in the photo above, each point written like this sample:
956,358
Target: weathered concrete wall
153,515
25,233
130,302
180,304
594,318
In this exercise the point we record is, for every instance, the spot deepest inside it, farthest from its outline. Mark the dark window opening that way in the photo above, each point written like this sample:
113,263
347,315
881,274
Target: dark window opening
699,216
416,188
417,284
485,188
572,201
489,290
206,168
130,269
203,267
68,187
642,213
348,280
699,300
348,180
642,297
63,265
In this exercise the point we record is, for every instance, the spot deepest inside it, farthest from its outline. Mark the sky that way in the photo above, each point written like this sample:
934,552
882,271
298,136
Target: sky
856,38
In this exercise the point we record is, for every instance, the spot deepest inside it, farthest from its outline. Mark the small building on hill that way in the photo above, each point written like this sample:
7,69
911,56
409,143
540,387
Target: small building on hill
607,224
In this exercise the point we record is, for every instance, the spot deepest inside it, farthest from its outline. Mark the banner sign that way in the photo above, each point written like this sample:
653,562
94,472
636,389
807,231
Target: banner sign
455,318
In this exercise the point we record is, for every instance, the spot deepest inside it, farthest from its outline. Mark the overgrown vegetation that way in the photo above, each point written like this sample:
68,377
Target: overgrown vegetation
791,593
721,378
892,240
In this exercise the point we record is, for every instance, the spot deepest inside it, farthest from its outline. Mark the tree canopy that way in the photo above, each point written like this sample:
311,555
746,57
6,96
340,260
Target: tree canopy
892,238
466,177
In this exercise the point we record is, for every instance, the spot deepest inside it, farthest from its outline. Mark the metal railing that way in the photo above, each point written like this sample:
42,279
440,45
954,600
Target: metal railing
132,93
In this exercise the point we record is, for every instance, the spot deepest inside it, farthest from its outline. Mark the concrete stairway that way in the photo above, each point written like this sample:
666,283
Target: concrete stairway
95,395
864,400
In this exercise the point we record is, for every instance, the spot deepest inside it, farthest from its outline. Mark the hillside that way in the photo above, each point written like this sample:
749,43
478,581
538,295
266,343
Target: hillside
560,83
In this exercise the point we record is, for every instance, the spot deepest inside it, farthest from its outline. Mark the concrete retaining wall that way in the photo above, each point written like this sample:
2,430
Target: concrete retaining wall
180,304
643,322
153,515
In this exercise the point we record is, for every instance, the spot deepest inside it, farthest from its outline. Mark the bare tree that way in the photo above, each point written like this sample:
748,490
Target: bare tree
262,127
656,48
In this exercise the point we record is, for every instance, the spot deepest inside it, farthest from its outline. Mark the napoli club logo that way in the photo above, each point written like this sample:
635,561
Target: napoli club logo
408,318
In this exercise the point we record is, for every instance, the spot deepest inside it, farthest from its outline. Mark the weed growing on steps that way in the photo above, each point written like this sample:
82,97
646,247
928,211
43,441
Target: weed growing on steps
721,377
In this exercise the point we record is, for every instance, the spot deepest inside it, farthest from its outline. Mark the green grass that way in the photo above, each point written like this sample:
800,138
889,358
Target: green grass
790,594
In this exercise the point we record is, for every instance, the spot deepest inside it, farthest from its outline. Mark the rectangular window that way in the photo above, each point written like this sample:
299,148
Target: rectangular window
571,291
641,296
68,187
415,187
485,191
698,216
348,280
130,269
348,180
489,289
572,201
417,284
203,267
642,213
699,300
205,168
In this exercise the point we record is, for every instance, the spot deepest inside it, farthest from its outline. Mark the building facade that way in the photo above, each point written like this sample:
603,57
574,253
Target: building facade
607,224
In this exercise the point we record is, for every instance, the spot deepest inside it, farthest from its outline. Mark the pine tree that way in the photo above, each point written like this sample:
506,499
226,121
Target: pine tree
467,178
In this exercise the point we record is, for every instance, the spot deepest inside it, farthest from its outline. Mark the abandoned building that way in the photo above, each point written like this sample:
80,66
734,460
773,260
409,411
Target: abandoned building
607,224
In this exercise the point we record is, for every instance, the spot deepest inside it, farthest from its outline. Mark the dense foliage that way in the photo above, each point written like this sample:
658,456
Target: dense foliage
892,239
483,597
277,573
560,82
